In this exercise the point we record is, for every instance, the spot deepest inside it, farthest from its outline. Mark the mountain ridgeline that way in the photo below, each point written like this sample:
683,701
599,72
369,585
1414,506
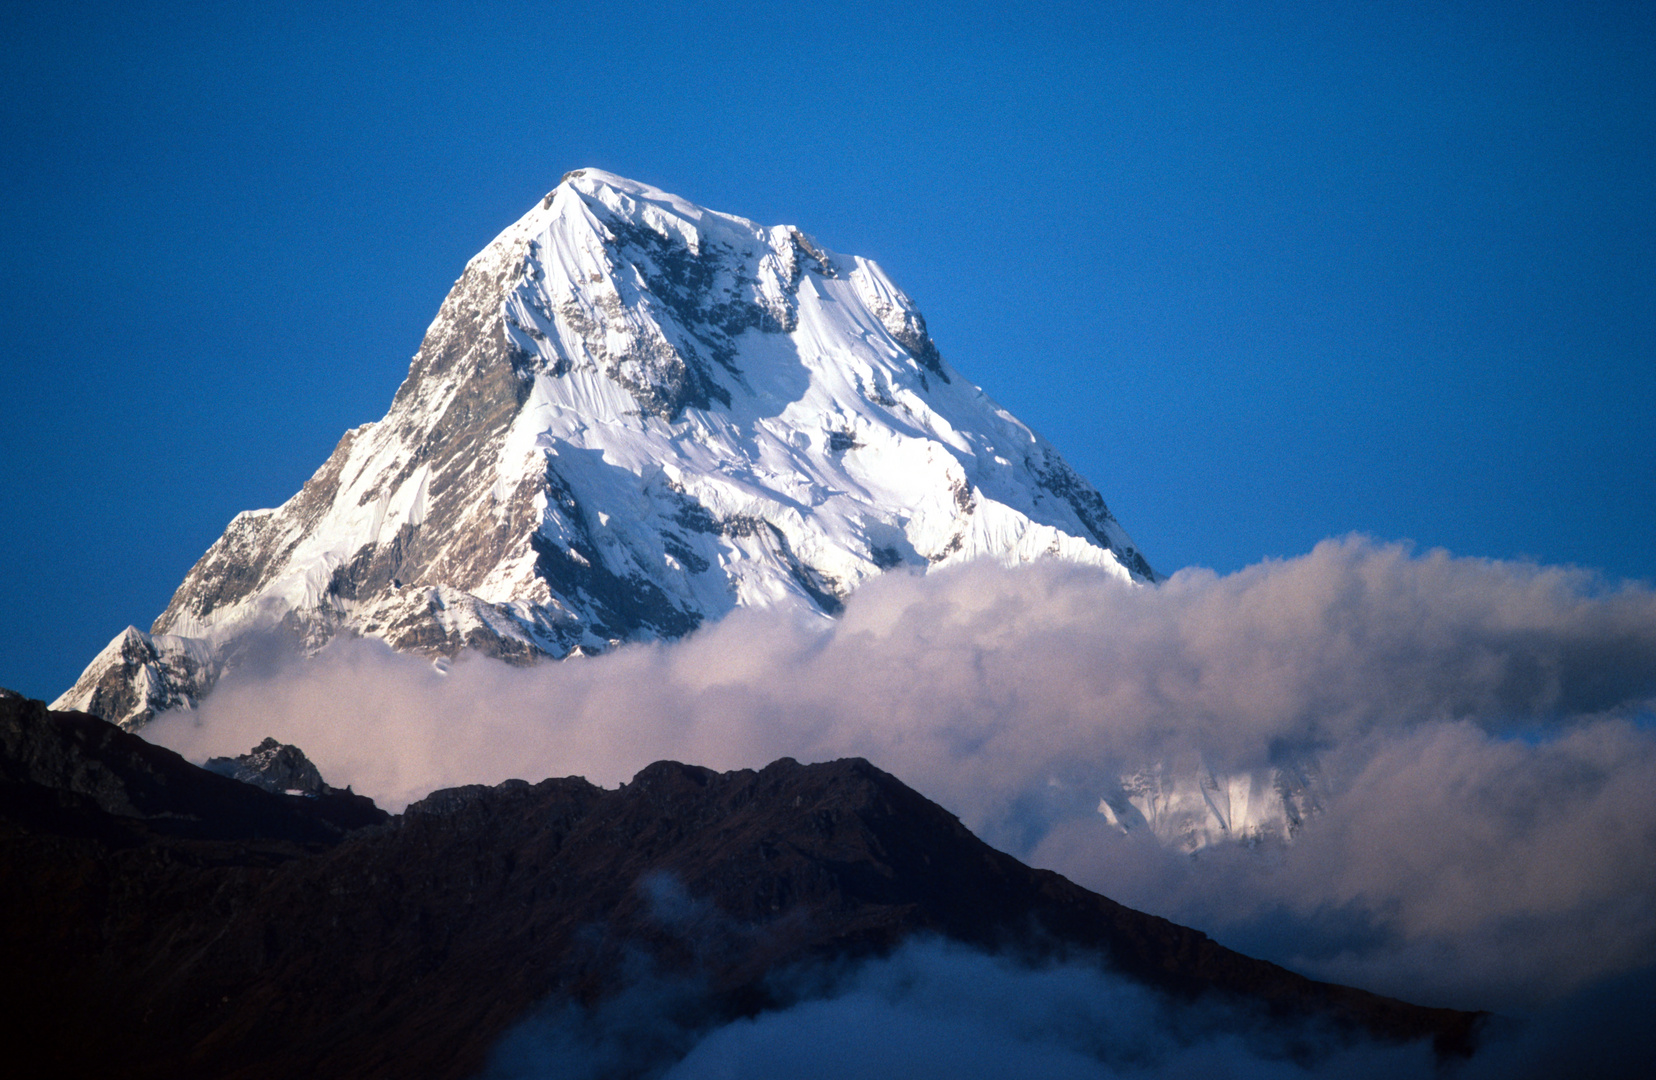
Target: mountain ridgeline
159,920
630,416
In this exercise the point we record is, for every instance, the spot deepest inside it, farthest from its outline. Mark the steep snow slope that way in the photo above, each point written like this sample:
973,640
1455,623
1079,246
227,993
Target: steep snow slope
1190,806
631,415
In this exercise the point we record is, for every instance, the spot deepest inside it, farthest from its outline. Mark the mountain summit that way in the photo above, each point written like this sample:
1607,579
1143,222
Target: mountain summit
631,415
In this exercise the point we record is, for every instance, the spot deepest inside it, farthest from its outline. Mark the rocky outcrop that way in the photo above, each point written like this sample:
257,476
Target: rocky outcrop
69,770
275,766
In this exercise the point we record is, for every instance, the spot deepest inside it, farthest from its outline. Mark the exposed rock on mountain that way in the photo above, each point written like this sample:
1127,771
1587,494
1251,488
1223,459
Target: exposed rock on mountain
271,944
631,415
71,767
273,766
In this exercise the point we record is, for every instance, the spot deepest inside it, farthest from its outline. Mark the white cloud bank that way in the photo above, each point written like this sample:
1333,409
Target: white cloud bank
1482,731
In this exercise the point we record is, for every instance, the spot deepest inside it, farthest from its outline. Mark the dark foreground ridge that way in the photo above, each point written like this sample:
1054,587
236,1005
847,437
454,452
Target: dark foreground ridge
159,920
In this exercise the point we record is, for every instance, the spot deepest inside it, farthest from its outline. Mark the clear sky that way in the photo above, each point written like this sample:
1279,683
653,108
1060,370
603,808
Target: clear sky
1265,273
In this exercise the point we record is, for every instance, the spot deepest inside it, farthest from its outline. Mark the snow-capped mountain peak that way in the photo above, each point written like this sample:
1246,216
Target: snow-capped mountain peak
631,415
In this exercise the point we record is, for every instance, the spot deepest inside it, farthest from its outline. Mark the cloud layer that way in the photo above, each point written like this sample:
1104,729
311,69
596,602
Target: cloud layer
1480,733
938,1010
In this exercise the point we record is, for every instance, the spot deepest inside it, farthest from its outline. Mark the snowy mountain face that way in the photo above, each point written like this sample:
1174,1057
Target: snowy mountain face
630,416
1190,806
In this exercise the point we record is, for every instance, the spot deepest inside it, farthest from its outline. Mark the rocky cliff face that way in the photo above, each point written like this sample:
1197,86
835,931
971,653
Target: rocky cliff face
203,927
275,766
631,415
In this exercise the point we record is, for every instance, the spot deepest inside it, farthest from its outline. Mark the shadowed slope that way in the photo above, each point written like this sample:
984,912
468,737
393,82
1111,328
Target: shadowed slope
410,947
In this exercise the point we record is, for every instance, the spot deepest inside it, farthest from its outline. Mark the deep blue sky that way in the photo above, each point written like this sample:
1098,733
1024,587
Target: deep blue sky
1265,273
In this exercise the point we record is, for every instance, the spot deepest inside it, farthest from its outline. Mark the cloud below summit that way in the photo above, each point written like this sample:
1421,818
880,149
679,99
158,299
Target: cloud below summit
1481,733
